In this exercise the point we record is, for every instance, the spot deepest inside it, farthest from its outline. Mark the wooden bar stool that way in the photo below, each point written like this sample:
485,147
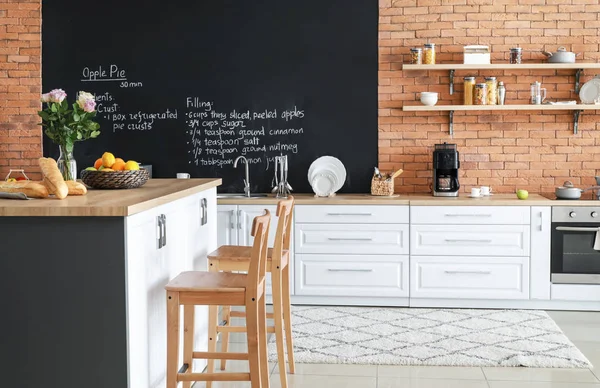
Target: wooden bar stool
221,289
237,258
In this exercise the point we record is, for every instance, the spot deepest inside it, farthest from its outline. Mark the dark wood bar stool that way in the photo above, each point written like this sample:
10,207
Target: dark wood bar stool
194,288
237,258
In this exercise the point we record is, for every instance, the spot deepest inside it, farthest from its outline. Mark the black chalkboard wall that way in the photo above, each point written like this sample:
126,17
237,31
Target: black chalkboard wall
187,86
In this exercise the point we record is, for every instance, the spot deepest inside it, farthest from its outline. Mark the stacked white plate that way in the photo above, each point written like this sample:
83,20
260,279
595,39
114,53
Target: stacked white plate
326,175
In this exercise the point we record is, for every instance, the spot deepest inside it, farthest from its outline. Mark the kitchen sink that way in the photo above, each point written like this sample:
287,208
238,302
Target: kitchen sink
240,195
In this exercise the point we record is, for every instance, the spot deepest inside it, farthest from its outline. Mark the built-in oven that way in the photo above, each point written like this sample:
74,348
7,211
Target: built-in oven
575,249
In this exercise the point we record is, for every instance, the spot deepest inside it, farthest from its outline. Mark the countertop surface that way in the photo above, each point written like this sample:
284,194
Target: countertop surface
412,199
118,203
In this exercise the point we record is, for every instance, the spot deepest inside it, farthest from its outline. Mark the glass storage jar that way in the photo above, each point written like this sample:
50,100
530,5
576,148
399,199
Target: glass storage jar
416,56
429,53
469,83
492,90
516,55
480,94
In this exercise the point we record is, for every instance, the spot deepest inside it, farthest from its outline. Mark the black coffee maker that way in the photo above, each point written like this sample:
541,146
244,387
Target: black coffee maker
445,170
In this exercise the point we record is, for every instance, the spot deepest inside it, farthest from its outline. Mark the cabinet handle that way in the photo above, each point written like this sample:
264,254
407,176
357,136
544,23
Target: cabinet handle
350,269
349,214
467,241
467,215
239,220
160,231
164,238
232,222
541,221
468,272
350,239
204,205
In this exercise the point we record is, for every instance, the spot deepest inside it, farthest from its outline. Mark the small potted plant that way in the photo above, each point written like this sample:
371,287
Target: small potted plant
65,125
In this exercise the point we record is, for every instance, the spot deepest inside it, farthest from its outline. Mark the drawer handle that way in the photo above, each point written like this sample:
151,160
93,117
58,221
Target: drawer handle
468,241
469,272
349,214
350,270
350,239
467,215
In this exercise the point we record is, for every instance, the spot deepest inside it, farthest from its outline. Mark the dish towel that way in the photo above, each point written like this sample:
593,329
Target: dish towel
23,196
597,241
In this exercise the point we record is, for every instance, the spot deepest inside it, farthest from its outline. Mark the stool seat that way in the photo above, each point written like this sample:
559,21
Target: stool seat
241,253
208,282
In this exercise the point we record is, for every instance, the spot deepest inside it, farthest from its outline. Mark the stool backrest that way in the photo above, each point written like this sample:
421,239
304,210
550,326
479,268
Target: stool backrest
258,259
284,229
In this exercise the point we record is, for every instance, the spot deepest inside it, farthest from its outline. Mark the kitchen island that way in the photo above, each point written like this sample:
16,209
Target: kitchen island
83,281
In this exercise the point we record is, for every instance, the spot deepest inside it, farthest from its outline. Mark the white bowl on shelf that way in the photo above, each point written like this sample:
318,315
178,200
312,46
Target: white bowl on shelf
429,98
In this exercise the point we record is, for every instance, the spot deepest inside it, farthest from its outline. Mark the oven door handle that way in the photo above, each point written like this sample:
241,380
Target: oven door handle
576,229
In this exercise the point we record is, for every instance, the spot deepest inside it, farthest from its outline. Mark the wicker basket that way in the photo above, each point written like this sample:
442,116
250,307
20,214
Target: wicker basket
382,186
115,179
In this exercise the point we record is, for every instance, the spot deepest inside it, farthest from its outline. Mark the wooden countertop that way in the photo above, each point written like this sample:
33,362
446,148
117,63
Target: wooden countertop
412,199
115,203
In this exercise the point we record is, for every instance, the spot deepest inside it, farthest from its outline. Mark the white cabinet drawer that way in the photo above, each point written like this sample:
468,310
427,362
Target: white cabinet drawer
384,239
469,277
339,275
470,240
351,214
457,215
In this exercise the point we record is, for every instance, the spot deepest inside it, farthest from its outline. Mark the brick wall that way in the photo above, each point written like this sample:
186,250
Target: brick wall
527,149
20,85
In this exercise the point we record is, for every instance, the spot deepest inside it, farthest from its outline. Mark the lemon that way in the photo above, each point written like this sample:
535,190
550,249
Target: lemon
108,159
132,165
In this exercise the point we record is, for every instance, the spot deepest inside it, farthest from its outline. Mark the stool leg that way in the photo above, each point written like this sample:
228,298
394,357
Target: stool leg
262,339
213,317
225,335
278,320
254,358
287,317
172,338
188,339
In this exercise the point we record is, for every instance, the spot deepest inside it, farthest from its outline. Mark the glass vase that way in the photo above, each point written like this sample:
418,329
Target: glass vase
67,164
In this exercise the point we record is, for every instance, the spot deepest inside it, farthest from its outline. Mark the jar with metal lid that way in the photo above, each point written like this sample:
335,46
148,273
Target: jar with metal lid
516,55
469,83
492,90
416,57
480,94
429,53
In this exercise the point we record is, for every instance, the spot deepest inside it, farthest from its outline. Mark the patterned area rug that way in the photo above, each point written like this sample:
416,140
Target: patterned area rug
403,336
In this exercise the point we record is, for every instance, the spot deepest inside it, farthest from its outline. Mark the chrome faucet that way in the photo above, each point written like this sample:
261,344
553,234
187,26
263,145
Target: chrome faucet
247,180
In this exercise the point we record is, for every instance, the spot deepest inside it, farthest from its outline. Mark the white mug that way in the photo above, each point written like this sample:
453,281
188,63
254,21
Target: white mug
486,190
475,192
183,175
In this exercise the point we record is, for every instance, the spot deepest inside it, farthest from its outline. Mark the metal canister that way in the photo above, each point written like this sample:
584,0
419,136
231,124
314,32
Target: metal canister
516,55
501,93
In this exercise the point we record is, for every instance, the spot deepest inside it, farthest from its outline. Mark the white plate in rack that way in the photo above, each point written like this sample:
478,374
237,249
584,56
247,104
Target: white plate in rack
590,91
328,164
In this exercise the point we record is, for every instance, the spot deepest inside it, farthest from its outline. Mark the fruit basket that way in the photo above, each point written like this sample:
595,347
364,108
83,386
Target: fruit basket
129,179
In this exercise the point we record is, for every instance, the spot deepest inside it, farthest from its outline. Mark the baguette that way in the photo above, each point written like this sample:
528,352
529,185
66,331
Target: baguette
29,188
53,179
76,188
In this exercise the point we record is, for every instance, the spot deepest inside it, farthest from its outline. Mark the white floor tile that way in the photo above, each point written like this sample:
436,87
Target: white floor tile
431,372
317,381
395,382
334,370
581,332
539,384
541,374
577,317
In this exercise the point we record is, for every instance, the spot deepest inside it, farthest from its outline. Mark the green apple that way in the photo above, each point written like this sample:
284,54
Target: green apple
91,169
522,194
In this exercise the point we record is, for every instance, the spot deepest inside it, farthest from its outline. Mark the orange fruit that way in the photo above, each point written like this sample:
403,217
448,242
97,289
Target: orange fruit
98,163
119,160
108,159
132,165
119,165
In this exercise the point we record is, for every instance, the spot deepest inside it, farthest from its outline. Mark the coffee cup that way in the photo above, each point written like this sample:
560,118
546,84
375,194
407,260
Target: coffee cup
183,175
475,192
486,190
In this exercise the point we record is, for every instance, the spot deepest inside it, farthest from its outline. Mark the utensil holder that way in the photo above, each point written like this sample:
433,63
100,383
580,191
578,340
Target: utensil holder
382,186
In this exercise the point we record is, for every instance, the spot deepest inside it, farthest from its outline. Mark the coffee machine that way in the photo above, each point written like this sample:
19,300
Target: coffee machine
445,170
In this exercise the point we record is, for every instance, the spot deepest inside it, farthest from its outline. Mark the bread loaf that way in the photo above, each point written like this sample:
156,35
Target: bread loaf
29,188
76,188
53,179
